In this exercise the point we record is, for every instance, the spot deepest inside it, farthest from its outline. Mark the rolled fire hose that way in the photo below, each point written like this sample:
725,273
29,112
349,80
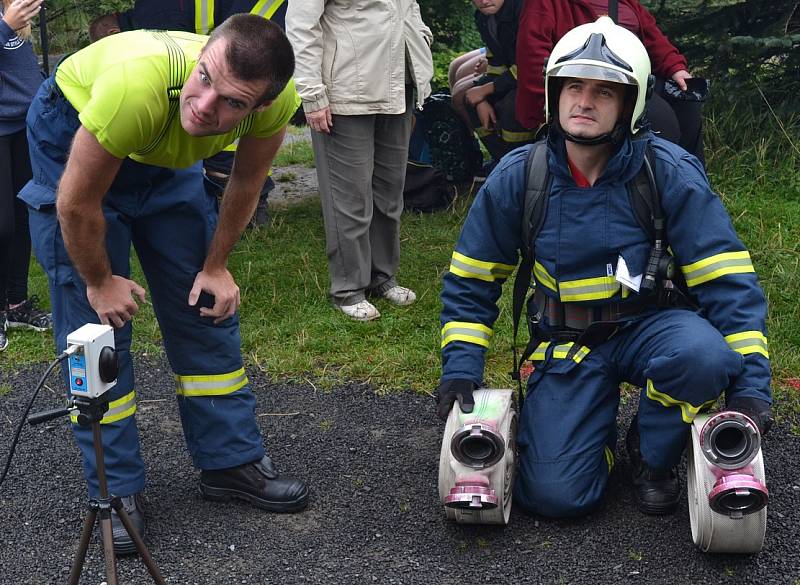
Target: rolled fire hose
726,484
478,458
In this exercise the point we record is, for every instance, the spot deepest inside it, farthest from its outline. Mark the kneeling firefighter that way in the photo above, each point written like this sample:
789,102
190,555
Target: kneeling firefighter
679,314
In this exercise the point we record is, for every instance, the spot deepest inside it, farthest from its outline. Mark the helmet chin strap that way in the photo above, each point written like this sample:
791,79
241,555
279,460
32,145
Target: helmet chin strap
615,137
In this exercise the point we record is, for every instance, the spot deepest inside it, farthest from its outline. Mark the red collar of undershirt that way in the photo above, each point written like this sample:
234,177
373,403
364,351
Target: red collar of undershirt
580,179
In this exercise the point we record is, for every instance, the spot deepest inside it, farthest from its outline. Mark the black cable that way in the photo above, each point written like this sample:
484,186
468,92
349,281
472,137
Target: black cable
14,442
45,48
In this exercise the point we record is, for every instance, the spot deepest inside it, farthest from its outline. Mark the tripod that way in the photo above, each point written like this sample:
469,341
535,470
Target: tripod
91,411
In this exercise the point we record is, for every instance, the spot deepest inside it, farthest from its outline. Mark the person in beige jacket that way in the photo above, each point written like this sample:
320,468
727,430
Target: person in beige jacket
359,64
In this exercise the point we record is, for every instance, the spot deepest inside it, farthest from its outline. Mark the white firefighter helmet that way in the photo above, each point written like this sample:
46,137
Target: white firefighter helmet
600,50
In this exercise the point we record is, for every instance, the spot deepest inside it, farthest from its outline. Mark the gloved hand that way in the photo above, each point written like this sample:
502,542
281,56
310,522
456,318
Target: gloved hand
451,390
760,411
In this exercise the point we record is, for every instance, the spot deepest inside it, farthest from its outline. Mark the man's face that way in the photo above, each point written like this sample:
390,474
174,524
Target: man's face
488,7
213,101
588,108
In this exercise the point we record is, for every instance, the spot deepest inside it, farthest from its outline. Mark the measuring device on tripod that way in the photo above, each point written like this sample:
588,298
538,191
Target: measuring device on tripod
93,364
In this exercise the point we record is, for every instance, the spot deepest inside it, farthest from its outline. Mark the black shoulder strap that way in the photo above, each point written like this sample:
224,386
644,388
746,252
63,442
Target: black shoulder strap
537,191
644,196
177,75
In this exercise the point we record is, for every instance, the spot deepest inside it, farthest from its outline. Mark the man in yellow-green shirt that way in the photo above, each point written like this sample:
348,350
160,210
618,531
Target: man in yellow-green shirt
116,135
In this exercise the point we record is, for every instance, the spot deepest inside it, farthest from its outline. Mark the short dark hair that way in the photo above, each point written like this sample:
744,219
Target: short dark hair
257,50
103,26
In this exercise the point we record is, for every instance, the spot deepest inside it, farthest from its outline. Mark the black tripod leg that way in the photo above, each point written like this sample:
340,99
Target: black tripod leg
105,509
106,532
83,546
137,540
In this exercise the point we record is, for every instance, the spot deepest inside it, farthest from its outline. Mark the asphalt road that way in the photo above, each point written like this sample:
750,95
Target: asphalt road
374,517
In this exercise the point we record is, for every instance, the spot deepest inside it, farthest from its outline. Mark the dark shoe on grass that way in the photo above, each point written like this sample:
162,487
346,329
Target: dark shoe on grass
28,315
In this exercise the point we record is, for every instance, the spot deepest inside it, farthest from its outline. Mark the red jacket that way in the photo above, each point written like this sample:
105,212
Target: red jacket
544,22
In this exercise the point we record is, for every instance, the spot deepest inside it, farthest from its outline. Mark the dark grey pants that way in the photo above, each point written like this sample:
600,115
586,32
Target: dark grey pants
361,168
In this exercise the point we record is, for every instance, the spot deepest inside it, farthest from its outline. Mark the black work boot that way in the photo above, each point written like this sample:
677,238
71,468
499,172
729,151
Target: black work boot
257,483
133,506
657,492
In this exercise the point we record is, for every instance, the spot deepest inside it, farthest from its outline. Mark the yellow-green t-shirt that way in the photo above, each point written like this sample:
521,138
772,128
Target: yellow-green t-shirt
120,87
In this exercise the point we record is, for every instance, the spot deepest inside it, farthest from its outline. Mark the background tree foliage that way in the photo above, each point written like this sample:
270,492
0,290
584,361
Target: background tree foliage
742,45
746,47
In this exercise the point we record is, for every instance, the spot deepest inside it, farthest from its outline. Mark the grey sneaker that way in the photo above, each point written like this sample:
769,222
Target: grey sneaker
3,329
28,315
134,507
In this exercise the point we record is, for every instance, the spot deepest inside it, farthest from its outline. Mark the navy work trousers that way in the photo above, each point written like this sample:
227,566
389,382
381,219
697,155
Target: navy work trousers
169,218
567,431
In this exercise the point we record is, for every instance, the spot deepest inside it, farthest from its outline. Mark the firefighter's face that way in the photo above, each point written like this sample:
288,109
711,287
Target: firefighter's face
213,101
488,7
588,108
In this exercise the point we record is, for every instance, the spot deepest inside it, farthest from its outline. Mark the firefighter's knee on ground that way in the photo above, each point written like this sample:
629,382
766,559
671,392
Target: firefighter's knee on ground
557,490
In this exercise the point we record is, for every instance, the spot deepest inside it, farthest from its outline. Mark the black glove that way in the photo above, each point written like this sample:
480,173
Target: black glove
760,411
451,390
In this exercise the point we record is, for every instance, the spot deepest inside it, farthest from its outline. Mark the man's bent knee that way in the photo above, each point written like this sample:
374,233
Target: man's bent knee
552,490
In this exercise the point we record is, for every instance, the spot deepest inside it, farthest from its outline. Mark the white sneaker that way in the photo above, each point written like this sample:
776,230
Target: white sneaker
362,311
400,295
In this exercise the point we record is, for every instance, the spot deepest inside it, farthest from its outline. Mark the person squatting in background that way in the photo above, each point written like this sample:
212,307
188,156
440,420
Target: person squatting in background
358,67
20,77
600,325
490,102
543,22
201,17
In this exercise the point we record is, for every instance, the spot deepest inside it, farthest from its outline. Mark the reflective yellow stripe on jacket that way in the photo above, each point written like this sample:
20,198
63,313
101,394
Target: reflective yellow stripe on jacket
511,136
117,409
469,332
543,277
467,267
688,410
266,8
211,385
204,13
716,266
748,342
203,16
588,289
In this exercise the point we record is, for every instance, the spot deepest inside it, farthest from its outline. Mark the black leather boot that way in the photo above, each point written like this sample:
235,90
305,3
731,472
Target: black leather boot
657,492
257,483
133,506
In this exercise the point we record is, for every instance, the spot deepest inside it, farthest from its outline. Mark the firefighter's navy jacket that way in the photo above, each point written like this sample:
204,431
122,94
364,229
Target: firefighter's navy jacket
577,251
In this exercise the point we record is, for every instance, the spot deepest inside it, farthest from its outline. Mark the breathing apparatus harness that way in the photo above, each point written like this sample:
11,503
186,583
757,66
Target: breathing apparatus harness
662,285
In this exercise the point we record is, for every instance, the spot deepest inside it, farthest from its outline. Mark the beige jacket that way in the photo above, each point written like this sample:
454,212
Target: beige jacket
351,54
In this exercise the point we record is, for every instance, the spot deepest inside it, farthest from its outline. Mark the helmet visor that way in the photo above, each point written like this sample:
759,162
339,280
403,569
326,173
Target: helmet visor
598,72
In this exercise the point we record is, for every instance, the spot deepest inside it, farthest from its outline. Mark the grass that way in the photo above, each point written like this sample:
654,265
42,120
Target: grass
290,330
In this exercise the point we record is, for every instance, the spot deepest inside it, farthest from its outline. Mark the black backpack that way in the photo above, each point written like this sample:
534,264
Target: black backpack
646,204
425,189
453,147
